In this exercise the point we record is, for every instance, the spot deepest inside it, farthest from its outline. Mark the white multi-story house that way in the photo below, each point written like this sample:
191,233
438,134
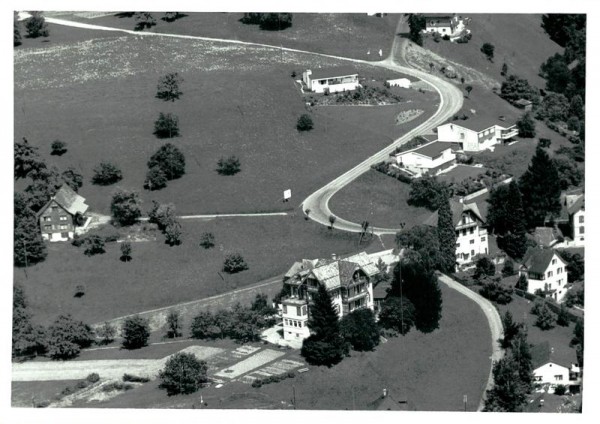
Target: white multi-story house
331,80
573,218
430,158
441,23
349,282
552,367
476,134
471,234
546,271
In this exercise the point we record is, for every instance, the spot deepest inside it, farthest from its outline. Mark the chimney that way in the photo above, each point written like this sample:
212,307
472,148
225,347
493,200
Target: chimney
384,392
334,256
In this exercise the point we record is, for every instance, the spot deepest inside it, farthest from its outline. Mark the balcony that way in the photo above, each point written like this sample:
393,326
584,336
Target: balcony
352,297
509,132
461,226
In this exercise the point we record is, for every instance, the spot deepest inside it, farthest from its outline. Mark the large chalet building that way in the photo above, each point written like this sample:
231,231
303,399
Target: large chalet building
471,234
349,282
58,217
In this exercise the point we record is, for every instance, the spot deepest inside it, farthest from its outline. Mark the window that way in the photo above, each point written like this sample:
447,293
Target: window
581,229
559,282
558,270
472,253
462,136
300,324
482,238
54,208
457,244
285,309
550,274
472,230
63,218
558,377
47,227
553,261
581,219
298,310
47,218
304,310
464,232
458,256
472,241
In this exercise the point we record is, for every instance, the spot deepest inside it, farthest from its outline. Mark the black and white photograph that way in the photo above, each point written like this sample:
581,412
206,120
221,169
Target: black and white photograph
366,208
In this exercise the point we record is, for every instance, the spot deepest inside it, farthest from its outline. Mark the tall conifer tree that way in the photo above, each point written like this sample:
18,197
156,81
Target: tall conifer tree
514,242
446,237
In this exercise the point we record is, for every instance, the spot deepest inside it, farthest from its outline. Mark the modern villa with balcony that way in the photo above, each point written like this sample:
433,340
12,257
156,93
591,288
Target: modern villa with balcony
349,282
476,133
332,80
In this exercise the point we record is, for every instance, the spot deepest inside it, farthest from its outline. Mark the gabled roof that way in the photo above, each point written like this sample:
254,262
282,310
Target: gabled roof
338,71
430,150
67,199
575,203
542,353
457,210
545,236
537,260
477,123
386,403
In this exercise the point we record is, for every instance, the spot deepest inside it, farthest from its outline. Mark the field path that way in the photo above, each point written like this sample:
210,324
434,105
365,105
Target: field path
493,318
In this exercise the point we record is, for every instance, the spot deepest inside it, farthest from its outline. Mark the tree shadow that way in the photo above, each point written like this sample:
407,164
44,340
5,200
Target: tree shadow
125,14
173,18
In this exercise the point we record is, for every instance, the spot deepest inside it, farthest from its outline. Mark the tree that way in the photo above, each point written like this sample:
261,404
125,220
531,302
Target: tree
173,233
545,318
172,16
58,147
162,214
360,329
559,26
305,123
575,265
569,174
494,292
511,329
484,267
508,269
526,126
174,325
504,71
155,179
168,87
577,340
468,89
563,316
66,337
427,192
106,173
424,240
275,21
488,50
170,159
261,305
577,107
507,220
27,339
144,20
520,349
36,26
416,23
508,393
166,126
554,107
557,73
28,246
540,189
229,166
332,219
72,178
125,251
514,88
107,333
125,207
17,32
207,240
183,374
446,237
26,160
234,263
397,314
94,245
135,332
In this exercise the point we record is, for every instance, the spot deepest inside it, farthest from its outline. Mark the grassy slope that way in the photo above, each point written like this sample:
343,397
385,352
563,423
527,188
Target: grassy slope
519,41
160,276
23,393
105,108
340,34
430,371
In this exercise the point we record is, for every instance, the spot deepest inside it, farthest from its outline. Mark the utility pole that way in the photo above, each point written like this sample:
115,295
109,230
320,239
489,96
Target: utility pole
26,261
294,395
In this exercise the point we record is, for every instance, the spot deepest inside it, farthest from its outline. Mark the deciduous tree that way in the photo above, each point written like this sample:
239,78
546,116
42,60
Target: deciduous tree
183,374
166,126
174,325
168,87
126,251
126,207
66,337
526,126
136,332
36,26
397,314
170,159
106,173
488,50
360,329
305,123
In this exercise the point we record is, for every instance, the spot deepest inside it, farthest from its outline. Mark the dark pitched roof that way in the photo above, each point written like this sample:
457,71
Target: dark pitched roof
386,403
546,236
67,199
433,149
543,353
537,260
339,71
577,205
457,210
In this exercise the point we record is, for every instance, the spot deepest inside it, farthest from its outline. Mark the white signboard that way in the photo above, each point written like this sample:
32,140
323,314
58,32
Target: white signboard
287,194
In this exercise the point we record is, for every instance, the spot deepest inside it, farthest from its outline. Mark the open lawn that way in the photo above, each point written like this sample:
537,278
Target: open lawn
59,35
460,173
429,371
24,394
98,97
519,41
379,199
160,275
340,34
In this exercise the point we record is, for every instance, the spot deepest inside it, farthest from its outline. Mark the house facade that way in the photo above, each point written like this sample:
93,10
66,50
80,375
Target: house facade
471,234
476,135
552,368
349,282
331,80
57,218
431,158
442,24
546,271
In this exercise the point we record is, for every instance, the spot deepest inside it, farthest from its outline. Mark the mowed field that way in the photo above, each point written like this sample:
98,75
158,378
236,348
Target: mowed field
98,97
341,34
160,275
429,371
519,41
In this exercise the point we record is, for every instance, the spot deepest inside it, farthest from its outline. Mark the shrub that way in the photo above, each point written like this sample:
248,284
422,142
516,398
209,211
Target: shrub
446,37
58,147
545,142
107,333
207,240
144,20
560,389
125,207
166,126
111,387
545,318
106,173
183,373
155,179
79,291
82,384
94,245
229,166
135,332
234,263
93,377
496,293
135,379
170,159
305,123
36,26
508,269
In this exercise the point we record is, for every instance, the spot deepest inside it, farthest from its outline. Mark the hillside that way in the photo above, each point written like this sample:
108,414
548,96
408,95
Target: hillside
519,41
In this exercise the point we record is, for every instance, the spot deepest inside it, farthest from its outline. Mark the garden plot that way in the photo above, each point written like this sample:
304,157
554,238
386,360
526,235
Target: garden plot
257,360
276,368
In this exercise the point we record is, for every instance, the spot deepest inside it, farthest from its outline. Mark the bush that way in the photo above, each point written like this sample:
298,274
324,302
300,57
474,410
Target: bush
170,160
125,207
59,148
93,377
509,268
144,20
79,291
446,37
546,320
107,333
183,373
560,389
135,379
229,166
66,337
36,26
155,179
94,245
173,233
168,87
323,352
305,123
234,263
207,240
484,267
166,126
111,387
526,126
82,384
496,293
135,332
106,173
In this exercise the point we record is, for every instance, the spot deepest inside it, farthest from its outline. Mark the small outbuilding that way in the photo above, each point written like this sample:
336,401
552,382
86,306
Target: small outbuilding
399,82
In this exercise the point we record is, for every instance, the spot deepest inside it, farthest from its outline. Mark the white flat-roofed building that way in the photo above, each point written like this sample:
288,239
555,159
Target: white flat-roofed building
331,80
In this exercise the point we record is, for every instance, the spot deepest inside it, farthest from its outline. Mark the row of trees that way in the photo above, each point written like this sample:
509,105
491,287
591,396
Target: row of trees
268,21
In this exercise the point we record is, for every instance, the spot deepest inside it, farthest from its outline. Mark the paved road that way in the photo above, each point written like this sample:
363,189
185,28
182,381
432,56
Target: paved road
494,321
